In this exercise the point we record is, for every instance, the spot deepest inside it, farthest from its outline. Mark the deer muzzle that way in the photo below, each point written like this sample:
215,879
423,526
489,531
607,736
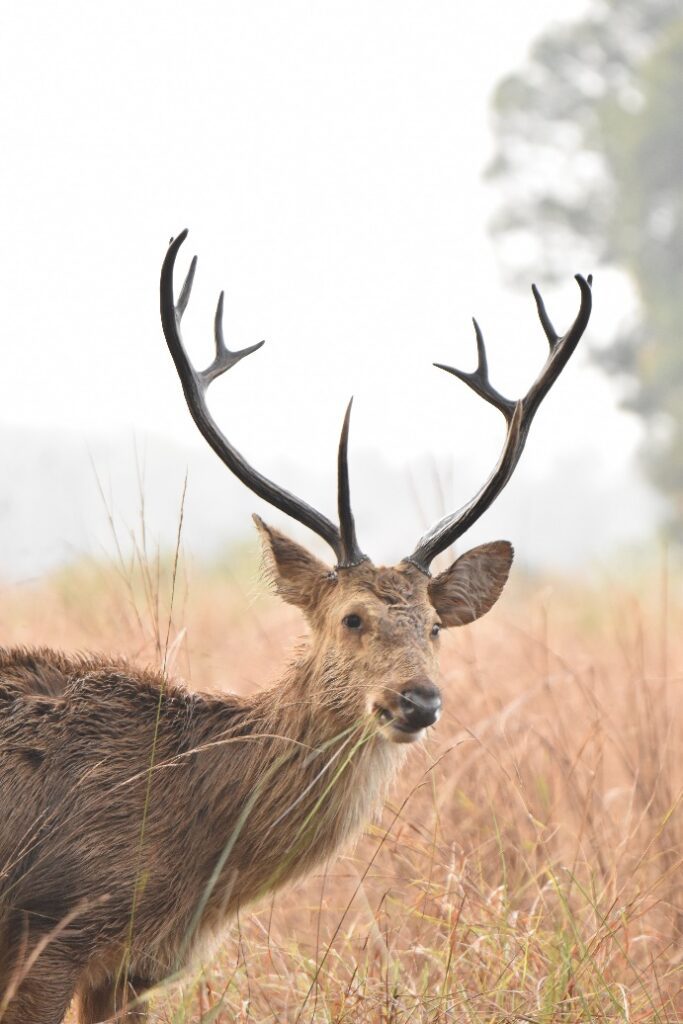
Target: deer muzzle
416,707
419,705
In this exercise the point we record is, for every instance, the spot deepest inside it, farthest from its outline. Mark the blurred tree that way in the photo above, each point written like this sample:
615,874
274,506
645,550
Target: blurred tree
589,160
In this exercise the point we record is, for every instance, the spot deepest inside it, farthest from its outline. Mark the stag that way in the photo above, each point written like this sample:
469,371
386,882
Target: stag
138,817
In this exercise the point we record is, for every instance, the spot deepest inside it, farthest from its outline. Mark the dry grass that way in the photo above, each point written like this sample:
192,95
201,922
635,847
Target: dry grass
528,867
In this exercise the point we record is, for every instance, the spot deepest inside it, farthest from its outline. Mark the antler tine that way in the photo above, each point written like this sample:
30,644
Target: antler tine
550,332
546,323
352,554
518,416
186,290
224,358
561,349
195,385
479,380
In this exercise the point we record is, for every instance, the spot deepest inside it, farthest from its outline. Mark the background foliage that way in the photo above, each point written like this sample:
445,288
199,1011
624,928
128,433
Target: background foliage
600,100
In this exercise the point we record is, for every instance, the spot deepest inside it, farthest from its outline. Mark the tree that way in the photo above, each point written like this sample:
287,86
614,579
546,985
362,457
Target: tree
589,159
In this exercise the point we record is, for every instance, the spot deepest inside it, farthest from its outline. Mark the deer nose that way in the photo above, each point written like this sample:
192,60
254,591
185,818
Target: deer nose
420,704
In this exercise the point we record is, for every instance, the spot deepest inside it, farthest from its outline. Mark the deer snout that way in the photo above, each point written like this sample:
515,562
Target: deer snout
420,704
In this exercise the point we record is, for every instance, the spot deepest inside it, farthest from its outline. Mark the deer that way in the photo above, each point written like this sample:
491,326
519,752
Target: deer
138,817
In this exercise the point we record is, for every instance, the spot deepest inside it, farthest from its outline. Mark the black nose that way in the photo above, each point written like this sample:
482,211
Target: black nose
420,704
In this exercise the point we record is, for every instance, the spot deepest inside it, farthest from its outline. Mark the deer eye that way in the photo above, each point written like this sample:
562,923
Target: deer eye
352,621
436,629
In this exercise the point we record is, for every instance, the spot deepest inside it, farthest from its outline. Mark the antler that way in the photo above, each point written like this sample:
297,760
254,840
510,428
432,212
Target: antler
195,384
518,416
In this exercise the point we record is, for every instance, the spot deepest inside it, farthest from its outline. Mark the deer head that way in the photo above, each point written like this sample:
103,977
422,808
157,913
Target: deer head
374,629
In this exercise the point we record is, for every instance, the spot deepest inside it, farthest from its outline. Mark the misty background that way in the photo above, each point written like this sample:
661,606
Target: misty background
361,179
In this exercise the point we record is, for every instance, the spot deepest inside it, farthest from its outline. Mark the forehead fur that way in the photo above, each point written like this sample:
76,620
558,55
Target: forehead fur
403,584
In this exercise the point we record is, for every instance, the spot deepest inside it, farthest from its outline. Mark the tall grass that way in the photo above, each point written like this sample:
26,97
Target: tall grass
529,864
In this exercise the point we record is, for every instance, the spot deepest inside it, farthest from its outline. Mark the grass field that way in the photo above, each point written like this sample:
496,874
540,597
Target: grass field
528,866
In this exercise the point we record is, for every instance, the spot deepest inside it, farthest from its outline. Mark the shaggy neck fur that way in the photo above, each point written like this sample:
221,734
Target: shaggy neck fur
310,774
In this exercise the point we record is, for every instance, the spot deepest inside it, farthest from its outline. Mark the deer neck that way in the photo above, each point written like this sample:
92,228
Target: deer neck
283,783
310,776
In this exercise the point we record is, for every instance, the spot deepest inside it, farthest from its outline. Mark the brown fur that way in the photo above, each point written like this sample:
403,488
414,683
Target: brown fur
137,817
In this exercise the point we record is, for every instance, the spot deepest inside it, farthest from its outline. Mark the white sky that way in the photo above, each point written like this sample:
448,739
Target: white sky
327,158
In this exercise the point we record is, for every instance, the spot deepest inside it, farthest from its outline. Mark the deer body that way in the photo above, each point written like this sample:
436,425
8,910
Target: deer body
75,774
138,817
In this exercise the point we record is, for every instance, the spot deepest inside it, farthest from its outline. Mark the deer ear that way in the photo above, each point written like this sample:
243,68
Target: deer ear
295,572
473,584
